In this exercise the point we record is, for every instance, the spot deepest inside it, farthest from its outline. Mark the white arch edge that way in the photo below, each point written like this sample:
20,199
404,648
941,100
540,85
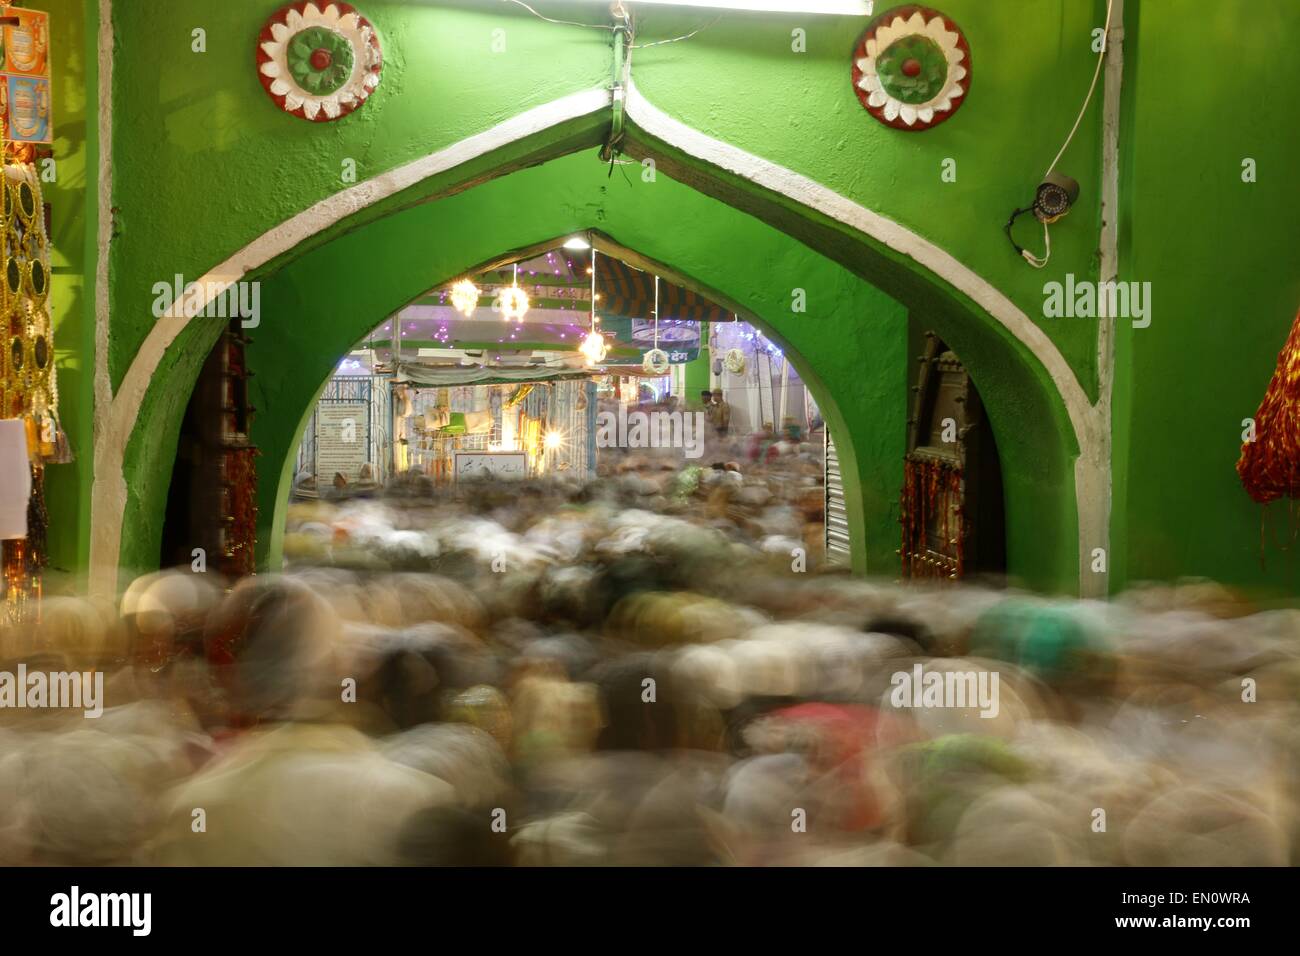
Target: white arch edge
109,491
1092,468
108,488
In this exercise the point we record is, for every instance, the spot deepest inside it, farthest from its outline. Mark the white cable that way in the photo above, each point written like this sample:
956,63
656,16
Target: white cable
1032,259
569,23
1105,43
656,312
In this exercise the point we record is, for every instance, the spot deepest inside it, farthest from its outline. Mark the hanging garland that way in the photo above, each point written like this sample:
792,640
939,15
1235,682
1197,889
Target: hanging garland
735,361
655,362
1269,466
319,63
929,489
241,510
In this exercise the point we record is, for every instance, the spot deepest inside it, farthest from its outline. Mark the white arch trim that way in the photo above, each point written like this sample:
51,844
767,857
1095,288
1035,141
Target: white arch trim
109,490
1092,468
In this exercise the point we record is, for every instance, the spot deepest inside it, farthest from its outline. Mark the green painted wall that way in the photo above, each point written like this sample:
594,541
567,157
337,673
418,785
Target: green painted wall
225,165
1224,268
853,349
741,82
205,163
72,198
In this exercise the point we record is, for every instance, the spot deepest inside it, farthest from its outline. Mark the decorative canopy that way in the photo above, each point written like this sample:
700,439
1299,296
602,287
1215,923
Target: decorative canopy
630,293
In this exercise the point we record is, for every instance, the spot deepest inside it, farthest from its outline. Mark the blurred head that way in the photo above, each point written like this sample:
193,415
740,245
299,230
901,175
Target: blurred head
273,640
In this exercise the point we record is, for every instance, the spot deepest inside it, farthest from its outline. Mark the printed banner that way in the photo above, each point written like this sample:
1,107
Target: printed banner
633,338
26,104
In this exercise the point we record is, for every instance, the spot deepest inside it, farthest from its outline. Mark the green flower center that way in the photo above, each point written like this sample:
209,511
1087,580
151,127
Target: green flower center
320,60
912,69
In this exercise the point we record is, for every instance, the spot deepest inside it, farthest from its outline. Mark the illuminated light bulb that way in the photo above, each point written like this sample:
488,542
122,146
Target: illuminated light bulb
514,303
553,440
593,348
578,244
464,297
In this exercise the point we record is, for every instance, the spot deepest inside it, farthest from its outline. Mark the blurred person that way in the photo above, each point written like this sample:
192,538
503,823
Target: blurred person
719,414
298,787
450,835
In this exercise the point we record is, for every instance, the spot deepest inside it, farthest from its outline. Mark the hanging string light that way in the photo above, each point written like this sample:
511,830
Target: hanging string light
656,360
464,297
514,300
594,347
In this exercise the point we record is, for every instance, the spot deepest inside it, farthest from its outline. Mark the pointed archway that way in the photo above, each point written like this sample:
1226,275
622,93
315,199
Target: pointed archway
773,232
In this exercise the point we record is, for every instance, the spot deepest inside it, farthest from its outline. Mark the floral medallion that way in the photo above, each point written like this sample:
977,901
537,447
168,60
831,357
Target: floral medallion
319,62
911,68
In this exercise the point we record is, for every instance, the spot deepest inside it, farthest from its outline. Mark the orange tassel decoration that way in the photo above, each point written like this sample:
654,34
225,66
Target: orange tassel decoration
1270,465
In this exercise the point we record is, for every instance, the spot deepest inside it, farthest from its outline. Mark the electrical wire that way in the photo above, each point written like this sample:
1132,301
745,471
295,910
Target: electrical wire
1028,256
642,46
567,23
1032,259
1101,56
610,27
656,312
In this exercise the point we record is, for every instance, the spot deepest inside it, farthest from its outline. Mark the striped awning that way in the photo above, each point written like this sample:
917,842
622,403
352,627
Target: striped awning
629,292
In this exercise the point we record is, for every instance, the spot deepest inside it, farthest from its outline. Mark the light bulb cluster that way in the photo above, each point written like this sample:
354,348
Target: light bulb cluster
464,297
594,348
513,303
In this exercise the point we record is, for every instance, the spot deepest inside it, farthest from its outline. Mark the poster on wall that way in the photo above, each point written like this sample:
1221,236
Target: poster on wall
510,465
633,338
26,106
342,442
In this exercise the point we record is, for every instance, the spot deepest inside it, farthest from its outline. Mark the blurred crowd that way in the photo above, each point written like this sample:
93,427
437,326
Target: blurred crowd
637,671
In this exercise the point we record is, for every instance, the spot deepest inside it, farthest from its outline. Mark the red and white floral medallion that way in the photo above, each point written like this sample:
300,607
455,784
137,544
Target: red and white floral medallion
319,62
911,68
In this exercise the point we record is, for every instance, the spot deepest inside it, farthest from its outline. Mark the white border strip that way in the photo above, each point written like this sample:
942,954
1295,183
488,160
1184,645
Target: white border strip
103,383
1097,583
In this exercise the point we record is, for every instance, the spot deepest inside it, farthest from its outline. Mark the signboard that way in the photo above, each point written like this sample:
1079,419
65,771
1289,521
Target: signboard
25,105
633,338
509,465
342,441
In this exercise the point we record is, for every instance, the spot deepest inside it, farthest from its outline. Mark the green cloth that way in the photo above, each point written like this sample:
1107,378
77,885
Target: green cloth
1051,641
